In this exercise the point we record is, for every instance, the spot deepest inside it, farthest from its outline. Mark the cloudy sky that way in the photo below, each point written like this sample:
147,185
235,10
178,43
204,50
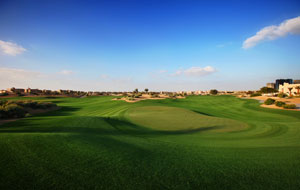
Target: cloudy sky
160,45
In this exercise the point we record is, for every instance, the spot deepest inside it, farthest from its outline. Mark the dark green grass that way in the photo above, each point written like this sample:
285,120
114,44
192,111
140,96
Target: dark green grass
201,142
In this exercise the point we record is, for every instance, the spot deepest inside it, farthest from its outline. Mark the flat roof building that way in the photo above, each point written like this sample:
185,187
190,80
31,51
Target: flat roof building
282,81
290,89
297,81
271,85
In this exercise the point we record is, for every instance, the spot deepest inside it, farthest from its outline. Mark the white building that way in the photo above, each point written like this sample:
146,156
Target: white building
290,89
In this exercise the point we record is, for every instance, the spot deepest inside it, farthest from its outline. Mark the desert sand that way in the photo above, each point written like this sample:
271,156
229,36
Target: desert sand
286,100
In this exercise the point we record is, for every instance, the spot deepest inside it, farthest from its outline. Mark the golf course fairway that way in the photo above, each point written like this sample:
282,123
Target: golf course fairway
200,142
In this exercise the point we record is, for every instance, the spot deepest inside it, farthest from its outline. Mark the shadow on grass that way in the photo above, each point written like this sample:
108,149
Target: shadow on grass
203,113
92,125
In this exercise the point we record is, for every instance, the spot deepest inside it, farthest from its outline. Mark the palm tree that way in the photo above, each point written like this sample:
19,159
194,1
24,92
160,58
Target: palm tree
298,89
146,90
290,89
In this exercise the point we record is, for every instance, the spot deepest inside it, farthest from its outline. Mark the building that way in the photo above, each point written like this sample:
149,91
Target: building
3,91
290,89
271,85
60,91
15,90
297,81
281,81
47,91
32,91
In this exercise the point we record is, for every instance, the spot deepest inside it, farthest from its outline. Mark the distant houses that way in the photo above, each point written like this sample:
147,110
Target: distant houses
60,92
290,89
286,86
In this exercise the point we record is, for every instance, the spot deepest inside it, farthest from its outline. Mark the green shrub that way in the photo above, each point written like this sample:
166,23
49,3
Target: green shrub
255,94
268,90
3,102
281,95
155,96
4,94
17,109
279,103
45,105
13,111
289,106
213,92
269,101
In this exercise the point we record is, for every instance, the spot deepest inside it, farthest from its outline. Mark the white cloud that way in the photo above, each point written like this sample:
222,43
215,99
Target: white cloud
290,26
196,71
10,48
66,72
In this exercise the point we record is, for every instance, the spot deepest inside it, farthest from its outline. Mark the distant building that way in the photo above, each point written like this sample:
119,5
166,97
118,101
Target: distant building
296,81
47,91
271,85
281,81
32,91
290,89
60,91
15,90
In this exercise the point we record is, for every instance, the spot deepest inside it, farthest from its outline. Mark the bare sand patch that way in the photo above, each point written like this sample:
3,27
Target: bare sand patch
276,107
286,100
146,97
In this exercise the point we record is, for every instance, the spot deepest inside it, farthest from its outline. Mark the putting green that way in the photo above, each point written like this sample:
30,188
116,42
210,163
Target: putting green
165,118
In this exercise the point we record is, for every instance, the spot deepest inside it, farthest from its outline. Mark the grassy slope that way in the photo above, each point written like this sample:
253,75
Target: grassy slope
214,143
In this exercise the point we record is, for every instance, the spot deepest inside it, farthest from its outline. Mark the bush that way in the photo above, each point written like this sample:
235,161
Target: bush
12,111
269,101
45,105
213,91
279,103
255,94
4,94
281,95
155,96
289,106
3,102
17,109
267,90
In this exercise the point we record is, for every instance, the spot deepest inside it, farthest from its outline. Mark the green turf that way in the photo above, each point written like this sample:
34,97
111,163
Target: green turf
201,142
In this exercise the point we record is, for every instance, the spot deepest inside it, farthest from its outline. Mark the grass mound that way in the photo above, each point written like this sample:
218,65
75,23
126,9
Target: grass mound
178,119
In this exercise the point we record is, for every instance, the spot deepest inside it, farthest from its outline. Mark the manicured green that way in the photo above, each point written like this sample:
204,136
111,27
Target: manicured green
200,142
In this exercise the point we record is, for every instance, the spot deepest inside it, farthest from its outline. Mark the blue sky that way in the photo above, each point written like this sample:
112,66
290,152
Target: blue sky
160,45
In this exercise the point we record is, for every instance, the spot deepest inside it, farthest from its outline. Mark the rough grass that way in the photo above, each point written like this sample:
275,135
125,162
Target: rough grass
201,142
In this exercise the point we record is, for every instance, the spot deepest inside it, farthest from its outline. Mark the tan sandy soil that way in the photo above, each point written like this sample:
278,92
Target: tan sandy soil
276,107
286,100
146,97
32,112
